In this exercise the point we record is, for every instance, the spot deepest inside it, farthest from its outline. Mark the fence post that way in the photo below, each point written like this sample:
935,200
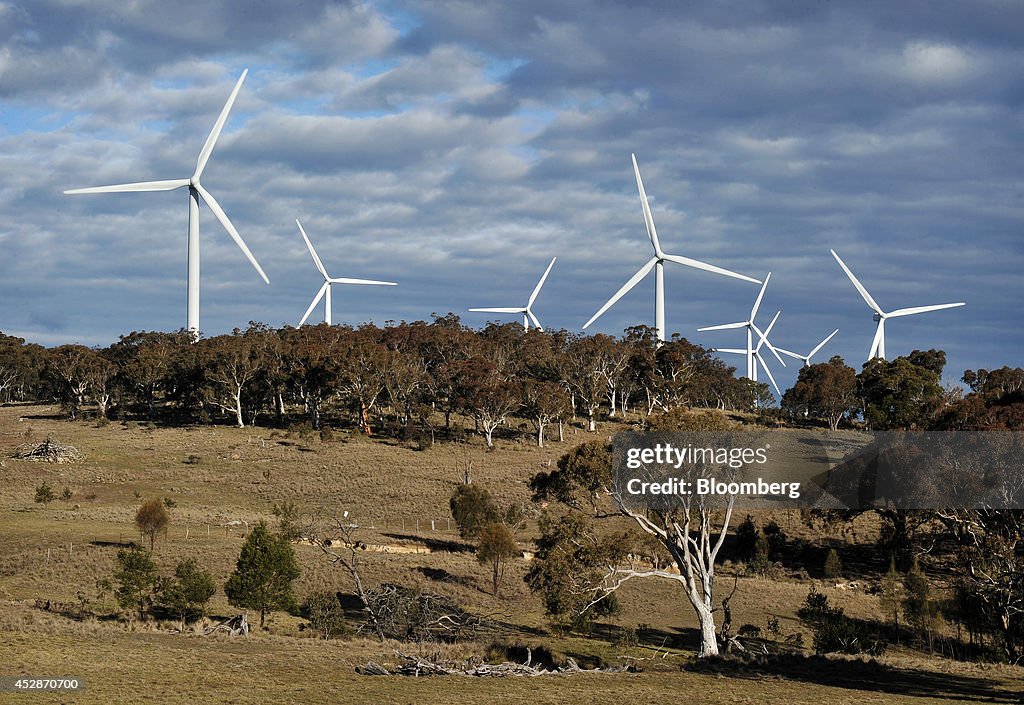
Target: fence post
432,525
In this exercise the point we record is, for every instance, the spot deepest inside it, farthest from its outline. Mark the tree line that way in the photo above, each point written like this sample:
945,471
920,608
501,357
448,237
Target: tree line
398,378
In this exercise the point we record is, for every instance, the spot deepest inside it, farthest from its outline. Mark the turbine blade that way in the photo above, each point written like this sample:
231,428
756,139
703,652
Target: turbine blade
348,280
499,310
724,326
652,232
736,351
641,273
204,155
536,289
316,257
879,331
316,300
760,295
820,345
223,218
763,339
922,309
768,372
791,354
534,319
860,287
168,185
696,264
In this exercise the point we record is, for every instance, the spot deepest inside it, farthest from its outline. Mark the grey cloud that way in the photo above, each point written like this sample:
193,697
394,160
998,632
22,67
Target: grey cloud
458,156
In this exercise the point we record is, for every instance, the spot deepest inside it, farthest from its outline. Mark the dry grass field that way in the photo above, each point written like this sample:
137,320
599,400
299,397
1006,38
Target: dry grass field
222,479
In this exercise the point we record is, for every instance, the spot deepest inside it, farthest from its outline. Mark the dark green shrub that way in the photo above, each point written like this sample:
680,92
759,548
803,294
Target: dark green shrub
44,494
326,615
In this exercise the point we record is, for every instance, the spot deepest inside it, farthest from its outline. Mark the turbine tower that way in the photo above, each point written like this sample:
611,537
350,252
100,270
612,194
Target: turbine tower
751,352
807,358
525,310
195,192
325,289
657,262
878,343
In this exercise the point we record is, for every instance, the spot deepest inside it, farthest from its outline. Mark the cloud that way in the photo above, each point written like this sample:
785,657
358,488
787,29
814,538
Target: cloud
455,147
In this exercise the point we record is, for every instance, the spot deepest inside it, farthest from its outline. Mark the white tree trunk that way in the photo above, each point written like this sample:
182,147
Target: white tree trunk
708,635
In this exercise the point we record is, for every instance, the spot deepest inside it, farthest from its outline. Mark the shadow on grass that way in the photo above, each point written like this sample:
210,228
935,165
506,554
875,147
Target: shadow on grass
853,674
443,576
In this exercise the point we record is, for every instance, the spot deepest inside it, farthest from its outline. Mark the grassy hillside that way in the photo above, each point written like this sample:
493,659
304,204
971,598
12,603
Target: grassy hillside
222,479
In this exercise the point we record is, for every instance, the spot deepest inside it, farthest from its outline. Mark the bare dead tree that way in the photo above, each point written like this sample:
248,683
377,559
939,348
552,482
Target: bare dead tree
344,549
693,532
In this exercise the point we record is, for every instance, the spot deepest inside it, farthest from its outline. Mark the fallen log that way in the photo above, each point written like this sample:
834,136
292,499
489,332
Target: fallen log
49,451
235,626
416,666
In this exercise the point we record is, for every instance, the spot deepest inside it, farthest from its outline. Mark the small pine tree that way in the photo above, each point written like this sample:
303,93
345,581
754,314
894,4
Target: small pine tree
151,519
746,539
44,494
918,606
776,539
264,573
760,562
833,566
892,593
187,593
136,578
325,614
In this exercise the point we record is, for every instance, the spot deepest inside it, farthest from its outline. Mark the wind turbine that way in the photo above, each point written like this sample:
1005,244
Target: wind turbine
657,262
807,358
325,290
755,354
195,192
878,343
525,310
751,352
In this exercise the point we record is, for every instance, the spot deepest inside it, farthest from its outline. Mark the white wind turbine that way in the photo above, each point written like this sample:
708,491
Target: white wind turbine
878,343
657,262
195,191
525,310
325,289
752,353
807,358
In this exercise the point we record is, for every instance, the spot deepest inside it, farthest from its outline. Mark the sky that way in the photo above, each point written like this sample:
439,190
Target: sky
455,147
